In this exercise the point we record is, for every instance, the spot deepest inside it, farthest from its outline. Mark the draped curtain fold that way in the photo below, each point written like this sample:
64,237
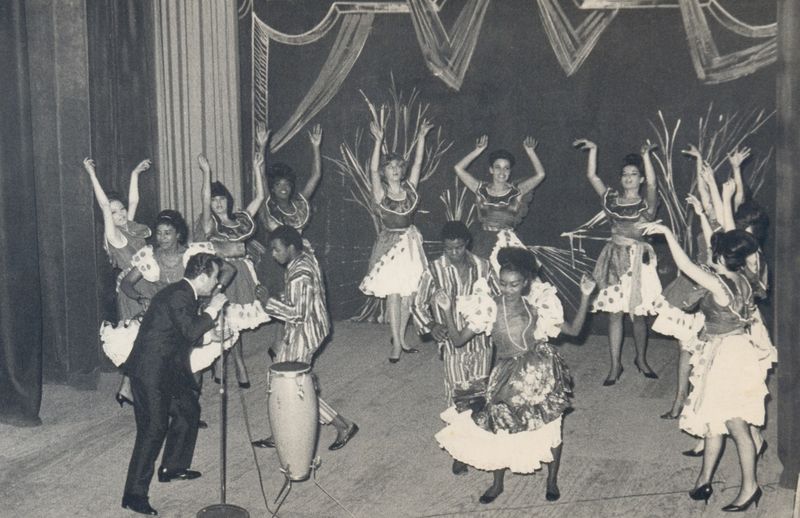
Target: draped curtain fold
353,33
448,55
197,99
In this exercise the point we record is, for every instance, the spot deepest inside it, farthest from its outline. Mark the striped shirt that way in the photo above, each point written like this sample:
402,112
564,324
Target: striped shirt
302,308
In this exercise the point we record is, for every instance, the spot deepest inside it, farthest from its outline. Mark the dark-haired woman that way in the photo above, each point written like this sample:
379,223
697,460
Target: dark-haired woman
729,370
228,231
625,272
529,388
397,260
501,204
123,236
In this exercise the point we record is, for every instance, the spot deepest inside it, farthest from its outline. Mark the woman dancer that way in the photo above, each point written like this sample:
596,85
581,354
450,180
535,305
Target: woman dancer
228,230
123,236
501,204
626,269
397,259
729,370
530,385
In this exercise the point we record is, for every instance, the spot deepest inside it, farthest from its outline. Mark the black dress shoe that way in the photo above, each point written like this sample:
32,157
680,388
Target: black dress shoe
339,443
202,424
138,504
244,384
394,360
269,442
692,453
410,350
459,468
552,496
486,498
165,475
122,400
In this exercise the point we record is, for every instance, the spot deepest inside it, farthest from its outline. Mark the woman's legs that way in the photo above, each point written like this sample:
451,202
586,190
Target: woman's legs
495,489
405,314
713,447
393,311
740,431
614,346
640,341
552,474
238,361
684,368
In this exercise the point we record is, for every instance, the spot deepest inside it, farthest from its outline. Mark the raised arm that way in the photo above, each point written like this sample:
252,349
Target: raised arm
470,181
133,188
315,136
258,185
701,215
736,157
728,191
533,182
419,153
205,193
651,195
128,287
376,129
110,230
705,279
716,201
702,187
574,328
591,165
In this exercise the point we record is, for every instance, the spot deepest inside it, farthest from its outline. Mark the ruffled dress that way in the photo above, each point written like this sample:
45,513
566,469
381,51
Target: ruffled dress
398,260
626,275
528,390
118,340
498,216
134,235
729,367
243,311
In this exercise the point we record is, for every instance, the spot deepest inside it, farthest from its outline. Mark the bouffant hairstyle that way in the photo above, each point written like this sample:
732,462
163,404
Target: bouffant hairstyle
389,157
733,246
634,160
519,260
750,214
280,171
174,219
499,154
219,189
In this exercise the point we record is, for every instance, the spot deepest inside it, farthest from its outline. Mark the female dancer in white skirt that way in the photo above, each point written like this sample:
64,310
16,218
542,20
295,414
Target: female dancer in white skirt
626,274
729,368
529,387
397,260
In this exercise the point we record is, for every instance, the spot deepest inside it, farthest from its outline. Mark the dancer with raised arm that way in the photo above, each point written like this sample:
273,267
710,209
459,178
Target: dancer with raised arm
519,427
625,273
123,236
304,311
398,260
730,367
501,204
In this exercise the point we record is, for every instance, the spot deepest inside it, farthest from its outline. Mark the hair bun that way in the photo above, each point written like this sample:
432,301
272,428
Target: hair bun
519,259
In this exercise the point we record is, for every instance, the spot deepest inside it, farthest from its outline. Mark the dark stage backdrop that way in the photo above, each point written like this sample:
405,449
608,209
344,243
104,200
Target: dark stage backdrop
513,88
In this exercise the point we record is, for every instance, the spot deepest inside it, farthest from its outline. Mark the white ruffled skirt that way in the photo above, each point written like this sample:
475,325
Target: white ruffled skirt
396,264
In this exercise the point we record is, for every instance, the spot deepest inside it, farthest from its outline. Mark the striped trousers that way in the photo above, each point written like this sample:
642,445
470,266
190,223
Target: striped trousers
290,354
464,365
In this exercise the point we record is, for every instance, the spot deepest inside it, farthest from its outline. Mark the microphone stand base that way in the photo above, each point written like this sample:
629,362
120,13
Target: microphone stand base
223,511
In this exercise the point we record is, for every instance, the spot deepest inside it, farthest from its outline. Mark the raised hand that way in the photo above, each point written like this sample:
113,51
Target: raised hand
707,174
88,164
584,144
481,143
424,127
647,147
376,130
588,284
693,152
737,156
653,228
695,204
262,134
530,144
315,135
202,161
143,166
728,189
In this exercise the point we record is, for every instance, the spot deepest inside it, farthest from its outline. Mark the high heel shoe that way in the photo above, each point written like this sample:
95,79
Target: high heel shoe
754,498
692,453
122,400
669,415
610,381
703,492
761,450
647,373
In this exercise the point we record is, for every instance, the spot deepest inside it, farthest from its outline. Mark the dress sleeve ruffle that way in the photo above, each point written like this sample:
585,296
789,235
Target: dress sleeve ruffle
673,321
145,261
550,313
196,248
479,309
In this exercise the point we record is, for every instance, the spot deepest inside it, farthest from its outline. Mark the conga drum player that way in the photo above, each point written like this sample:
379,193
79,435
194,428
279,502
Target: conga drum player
304,313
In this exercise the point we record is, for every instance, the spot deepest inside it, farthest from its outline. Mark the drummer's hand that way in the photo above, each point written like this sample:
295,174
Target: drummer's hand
439,332
442,299
262,294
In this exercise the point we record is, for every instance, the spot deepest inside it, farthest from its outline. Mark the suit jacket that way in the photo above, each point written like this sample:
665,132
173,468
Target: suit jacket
170,328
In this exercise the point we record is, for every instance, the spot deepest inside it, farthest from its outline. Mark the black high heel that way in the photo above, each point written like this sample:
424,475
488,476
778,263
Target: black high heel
693,453
610,381
754,498
647,373
122,400
703,492
669,415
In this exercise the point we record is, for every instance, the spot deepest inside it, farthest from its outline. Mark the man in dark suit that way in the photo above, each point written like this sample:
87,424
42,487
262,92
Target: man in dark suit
164,388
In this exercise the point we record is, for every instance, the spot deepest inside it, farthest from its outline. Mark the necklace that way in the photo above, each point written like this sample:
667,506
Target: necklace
287,214
524,331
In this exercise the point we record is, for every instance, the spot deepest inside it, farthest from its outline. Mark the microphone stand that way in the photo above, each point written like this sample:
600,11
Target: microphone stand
222,510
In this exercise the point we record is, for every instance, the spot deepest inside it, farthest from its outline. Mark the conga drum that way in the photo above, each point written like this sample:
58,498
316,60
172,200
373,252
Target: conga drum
293,416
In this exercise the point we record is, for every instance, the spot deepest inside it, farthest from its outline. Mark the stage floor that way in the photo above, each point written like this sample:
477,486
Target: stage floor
619,459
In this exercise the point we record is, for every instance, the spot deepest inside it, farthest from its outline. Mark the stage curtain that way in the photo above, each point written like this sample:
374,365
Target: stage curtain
197,100
20,304
787,259
343,54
